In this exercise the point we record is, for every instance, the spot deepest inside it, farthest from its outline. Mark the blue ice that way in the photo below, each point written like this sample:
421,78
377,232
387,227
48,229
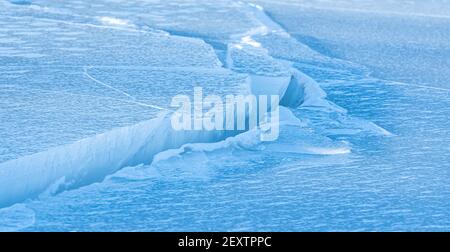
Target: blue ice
86,144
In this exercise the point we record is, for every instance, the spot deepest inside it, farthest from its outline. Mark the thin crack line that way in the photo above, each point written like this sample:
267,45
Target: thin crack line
132,98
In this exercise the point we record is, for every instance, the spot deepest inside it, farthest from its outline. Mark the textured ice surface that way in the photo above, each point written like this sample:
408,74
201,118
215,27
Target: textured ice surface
402,7
419,53
255,61
61,105
200,18
63,110
16,217
69,81
33,41
53,84
354,153
386,183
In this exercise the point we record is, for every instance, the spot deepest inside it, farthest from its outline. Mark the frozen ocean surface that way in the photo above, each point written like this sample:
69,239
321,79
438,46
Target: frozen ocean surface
85,89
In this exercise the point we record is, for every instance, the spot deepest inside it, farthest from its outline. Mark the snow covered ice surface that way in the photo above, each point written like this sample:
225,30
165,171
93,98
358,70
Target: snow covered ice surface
85,89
